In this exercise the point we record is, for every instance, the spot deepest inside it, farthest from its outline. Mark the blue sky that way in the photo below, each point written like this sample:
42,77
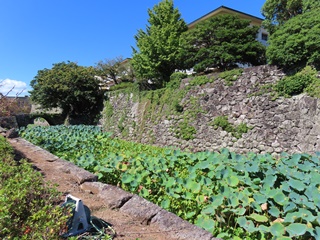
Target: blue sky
34,34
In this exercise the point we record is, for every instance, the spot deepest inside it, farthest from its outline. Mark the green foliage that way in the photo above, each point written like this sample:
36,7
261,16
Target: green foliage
222,121
277,12
200,80
236,131
185,131
298,83
123,85
296,43
231,75
233,196
175,80
27,206
158,54
222,42
70,87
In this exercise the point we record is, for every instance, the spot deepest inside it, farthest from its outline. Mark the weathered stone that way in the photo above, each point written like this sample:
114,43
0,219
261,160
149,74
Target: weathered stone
79,174
112,196
12,133
141,209
179,228
93,187
2,130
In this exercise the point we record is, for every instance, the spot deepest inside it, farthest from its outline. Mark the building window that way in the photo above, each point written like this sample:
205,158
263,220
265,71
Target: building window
264,37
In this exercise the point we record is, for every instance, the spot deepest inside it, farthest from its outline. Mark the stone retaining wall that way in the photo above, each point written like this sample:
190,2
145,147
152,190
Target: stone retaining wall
277,125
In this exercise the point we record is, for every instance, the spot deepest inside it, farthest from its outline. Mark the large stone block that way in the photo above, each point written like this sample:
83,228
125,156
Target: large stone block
112,196
141,209
179,228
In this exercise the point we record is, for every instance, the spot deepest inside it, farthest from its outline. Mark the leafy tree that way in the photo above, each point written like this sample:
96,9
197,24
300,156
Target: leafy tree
70,87
296,43
277,12
111,68
158,55
222,42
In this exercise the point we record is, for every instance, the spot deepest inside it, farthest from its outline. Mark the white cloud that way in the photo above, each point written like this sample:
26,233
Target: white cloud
15,87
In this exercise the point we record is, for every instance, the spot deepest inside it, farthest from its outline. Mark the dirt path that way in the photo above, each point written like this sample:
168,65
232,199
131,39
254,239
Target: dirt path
127,226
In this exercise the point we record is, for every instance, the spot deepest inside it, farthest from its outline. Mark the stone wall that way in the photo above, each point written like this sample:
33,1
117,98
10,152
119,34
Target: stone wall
281,125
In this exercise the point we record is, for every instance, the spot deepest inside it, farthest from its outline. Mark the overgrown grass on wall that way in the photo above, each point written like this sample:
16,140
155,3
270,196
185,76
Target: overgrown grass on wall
156,105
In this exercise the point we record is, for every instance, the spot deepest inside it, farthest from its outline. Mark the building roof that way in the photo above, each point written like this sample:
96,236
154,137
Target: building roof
225,10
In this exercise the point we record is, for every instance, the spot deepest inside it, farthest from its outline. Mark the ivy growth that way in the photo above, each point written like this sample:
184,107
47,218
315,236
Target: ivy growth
236,131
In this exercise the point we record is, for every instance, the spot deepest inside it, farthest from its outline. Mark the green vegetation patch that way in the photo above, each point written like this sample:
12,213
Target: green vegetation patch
231,75
200,80
236,131
27,205
185,131
305,80
233,196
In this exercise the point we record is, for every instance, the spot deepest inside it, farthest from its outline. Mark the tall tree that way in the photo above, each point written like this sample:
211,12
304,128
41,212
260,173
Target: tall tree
222,42
296,43
277,12
70,87
157,56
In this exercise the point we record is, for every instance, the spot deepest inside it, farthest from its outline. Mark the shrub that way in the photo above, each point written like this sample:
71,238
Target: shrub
236,131
122,85
175,80
296,84
27,205
185,131
200,80
231,75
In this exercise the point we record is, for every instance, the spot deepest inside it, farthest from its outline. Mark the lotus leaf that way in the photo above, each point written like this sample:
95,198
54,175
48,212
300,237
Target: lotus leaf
280,198
260,198
206,223
296,229
274,211
277,229
289,207
297,185
232,181
209,210
246,224
258,217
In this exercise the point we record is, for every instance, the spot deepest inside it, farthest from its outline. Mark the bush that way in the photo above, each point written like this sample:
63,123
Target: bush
27,205
185,131
175,80
296,42
200,80
123,85
298,83
231,75
236,131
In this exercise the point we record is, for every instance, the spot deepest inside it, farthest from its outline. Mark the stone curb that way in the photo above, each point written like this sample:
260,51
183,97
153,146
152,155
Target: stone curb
116,198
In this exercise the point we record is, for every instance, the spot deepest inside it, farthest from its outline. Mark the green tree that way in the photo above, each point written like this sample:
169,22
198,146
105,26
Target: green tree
158,54
110,68
70,87
296,43
277,12
222,42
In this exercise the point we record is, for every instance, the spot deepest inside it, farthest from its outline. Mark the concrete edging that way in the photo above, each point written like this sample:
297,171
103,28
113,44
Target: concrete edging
116,198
